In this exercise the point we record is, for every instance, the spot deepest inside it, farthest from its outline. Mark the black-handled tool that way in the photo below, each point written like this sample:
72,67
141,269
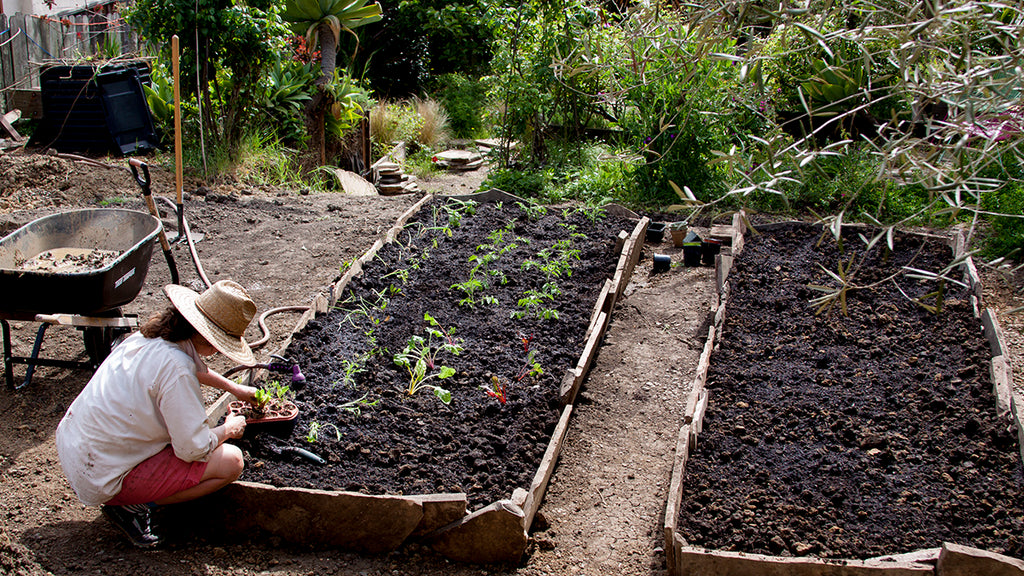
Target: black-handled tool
303,454
143,181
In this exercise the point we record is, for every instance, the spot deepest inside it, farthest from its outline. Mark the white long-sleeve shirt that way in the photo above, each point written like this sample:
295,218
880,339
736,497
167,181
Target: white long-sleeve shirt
144,396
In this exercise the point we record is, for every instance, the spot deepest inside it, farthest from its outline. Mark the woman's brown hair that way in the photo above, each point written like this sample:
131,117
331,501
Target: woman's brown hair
169,325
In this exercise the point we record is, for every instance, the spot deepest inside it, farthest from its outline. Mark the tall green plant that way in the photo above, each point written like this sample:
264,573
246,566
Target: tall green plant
321,22
225,48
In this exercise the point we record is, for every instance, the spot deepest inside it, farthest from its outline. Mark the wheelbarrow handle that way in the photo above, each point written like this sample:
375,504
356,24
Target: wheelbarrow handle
143,180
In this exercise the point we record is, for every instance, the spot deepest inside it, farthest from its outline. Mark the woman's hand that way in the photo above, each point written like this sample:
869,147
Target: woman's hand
242,392
245,393
234,425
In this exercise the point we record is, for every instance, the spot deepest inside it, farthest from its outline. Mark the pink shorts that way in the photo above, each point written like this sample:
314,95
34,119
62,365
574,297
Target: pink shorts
158,477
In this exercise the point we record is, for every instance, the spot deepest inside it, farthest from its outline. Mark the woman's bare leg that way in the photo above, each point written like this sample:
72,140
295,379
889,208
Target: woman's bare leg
224,467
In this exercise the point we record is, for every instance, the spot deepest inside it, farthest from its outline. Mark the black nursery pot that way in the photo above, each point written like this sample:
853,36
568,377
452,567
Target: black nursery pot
691,253
662,262
708,250
655,232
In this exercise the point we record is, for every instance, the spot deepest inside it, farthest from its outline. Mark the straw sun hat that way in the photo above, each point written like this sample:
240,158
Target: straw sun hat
221,314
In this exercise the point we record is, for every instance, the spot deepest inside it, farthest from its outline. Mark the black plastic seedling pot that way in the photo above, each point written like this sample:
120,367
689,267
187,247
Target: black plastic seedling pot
655,232
709,249
691,253
662,262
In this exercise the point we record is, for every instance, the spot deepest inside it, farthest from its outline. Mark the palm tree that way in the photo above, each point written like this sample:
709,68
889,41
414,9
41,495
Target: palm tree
321,22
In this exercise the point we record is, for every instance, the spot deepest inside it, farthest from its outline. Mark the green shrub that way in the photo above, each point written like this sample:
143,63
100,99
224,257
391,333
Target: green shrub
517,182
392,122
465,100
1007,232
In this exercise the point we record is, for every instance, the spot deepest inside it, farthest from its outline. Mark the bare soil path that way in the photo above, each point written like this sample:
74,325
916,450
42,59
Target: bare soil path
603,510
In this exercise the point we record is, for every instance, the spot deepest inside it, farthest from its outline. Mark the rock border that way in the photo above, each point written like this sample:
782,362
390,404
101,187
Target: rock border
373,524
949,560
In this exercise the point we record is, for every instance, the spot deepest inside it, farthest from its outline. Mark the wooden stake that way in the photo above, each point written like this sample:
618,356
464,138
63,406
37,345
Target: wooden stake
178,178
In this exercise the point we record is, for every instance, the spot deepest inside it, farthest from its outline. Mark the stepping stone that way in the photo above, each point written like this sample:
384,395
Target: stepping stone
354,184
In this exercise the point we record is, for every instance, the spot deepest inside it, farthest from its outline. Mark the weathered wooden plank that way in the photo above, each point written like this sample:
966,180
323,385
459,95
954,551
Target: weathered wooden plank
724,262
546,468
993,332
699,562
353,270
957,560
603,305
19,54
359,522
704,363
8,129
675,494
439,510
6,74
590,349
1017,411
372,252
492,534
1002,384
38,38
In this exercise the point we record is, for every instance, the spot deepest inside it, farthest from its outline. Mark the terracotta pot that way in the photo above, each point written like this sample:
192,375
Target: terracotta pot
678,235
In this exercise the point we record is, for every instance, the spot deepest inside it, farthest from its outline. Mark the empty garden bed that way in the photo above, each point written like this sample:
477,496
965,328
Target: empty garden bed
849,435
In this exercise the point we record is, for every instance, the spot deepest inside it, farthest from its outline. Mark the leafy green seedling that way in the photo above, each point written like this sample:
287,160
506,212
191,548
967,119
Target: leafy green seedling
315,429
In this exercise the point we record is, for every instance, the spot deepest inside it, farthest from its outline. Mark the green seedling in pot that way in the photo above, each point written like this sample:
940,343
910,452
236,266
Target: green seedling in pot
272,395
261,398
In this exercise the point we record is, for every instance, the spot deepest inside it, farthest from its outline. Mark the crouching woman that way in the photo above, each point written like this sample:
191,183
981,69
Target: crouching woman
137,437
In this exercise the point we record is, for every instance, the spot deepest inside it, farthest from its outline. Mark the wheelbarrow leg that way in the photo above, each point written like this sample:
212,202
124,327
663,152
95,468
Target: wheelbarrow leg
5,327
30,365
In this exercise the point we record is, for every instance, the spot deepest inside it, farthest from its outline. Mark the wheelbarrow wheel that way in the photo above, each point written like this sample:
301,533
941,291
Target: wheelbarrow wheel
99,341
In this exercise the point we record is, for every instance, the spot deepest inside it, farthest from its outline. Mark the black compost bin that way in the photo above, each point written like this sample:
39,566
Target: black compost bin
96,109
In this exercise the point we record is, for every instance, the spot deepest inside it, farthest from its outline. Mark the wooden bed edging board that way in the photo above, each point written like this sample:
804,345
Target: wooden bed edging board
699,562
371,524
953,560
950,560
496,533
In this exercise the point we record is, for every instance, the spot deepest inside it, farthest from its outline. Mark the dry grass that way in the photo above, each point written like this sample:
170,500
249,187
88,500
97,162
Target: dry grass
383,124
434,129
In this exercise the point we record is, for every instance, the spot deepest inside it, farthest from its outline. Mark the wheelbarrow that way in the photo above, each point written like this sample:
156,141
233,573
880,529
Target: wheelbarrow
89,299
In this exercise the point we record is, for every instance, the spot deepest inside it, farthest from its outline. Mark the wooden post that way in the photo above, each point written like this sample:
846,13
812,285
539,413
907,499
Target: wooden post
19,53
6,75
178,177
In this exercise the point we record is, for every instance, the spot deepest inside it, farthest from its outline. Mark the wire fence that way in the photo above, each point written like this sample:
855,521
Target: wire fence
29,42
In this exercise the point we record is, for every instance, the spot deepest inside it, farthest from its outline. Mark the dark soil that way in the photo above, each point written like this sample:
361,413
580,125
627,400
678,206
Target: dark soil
416,444
850,437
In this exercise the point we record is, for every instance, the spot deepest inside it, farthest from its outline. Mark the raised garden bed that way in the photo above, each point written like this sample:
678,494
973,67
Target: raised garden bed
833,444
505,356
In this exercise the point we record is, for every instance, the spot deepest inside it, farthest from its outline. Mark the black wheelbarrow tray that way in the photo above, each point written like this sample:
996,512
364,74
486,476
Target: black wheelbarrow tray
91,292
34,295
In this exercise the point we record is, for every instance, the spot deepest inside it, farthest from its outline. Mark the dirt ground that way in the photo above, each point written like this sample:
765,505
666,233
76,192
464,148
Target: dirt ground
604,506
605,503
